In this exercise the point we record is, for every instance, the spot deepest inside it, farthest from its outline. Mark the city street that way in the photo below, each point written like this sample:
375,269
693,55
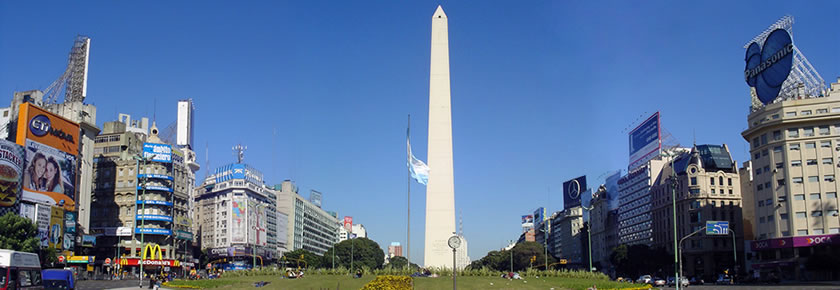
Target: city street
108,284
762,286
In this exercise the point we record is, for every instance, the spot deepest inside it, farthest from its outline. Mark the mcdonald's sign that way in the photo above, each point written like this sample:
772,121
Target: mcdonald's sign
152,248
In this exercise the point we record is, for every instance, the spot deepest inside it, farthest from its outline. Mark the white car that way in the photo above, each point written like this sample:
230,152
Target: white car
658,281
644,279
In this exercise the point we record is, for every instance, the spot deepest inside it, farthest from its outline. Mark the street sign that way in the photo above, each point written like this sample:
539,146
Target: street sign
61,259
717,228
107,261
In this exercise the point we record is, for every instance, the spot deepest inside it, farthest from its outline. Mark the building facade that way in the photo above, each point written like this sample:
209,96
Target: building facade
794,148
567,226
236,217
358,230
309,227
634,217
599,222
707,189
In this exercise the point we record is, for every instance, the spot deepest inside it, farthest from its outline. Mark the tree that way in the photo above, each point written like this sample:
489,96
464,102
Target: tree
310,260
522,254
365,252
398,262
637,260
48,257
18,233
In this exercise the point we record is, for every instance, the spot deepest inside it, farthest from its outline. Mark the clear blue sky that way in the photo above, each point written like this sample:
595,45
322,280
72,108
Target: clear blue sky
541,91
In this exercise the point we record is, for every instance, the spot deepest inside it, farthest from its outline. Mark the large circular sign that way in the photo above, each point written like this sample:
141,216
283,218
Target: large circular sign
768,67
574,189
61,259
39,125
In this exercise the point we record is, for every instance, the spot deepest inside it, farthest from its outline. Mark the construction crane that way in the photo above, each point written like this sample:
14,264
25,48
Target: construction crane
74,79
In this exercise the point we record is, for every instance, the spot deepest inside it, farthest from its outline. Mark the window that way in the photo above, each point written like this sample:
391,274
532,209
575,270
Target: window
798,197
783,216
760,203
824,130
777,135
816,213
763,139
757,187
815,196
812,161
721,191
813,179
825,144
761,220
767,185
800,215
797,179
779,165
808,132
712,180
794,146
822,111
777,149
834,230
831,195
730,192
780,182
720,180
694,180
827,161
831,212
806,112
829,178
755,143
763,153
792,133
758,171
802,232
810,145
769,219
757,155
730,179
796,163
818,231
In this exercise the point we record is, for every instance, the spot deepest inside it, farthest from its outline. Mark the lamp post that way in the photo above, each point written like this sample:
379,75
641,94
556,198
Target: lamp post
454,242
679,271
139,158
589,231
511,256
672,156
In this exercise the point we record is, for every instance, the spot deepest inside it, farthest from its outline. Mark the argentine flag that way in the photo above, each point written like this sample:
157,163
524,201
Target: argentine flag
419,170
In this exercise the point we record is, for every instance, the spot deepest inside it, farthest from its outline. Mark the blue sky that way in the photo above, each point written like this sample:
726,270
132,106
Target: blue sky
541,92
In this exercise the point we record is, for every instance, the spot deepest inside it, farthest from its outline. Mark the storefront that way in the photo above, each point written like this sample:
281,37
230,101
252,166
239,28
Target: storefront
786,258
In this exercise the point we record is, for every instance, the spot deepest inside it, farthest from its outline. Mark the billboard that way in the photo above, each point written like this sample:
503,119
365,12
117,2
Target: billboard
238,171
238,219
42,220
572,191
768,67
70,222
645,141
348,224
11,173
157,152
257,222
315,198
527,219
540,215
56,227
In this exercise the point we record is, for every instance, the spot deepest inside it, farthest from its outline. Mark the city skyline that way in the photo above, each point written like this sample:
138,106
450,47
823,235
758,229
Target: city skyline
338,96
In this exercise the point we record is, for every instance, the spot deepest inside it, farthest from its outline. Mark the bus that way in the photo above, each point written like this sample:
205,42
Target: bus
19,270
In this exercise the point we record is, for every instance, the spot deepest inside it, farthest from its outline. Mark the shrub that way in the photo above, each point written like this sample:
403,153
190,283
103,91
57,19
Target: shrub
389,282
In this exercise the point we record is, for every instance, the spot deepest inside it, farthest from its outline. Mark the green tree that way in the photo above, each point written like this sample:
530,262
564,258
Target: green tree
310,260
398,262
18,233
522,254
48,256
365,253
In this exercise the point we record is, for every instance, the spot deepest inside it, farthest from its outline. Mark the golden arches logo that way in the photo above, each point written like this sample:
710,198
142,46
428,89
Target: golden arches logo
151,248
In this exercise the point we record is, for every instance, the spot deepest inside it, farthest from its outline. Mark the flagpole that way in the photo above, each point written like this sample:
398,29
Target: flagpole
408,187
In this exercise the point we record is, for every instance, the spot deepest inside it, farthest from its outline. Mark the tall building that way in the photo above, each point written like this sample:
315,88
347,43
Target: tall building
237,216
309,227
185,125
599,223
707,189
440,191
568,227
358,231
141,205
794,147
395,249
634,218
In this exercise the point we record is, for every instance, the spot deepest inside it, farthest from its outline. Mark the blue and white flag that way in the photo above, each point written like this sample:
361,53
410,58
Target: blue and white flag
419,170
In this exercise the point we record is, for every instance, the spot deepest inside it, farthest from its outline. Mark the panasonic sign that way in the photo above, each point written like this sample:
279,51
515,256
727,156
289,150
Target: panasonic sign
768,67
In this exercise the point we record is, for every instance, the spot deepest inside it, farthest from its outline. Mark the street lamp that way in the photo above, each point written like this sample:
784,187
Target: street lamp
672,156
454,242
511,256
145,159
589,230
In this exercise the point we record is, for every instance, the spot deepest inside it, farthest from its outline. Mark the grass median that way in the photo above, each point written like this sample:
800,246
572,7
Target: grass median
348,282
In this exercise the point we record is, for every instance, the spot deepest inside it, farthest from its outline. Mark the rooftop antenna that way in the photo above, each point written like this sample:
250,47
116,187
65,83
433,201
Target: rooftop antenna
239,151
461,223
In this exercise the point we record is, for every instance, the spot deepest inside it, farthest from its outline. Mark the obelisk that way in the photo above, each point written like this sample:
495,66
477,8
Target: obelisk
440,191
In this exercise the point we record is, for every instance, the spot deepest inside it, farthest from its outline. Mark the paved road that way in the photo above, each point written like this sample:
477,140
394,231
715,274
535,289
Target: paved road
760,286
109,284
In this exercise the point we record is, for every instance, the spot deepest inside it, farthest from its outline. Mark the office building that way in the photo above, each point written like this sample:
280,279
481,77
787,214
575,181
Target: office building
309,227
634,217
707,189
567,226
358,231
395,249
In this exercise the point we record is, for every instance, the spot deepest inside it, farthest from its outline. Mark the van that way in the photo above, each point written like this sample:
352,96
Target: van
19,270
58,279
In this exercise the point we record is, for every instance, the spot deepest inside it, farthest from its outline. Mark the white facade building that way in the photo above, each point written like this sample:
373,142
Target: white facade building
358,230
185,123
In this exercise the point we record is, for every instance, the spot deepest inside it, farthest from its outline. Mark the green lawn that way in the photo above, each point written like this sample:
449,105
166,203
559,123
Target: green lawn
347,282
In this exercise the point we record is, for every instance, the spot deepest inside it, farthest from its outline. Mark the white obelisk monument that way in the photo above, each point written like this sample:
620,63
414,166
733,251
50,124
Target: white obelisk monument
440,191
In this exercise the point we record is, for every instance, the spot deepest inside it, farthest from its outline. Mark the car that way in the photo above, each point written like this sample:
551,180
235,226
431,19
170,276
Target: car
644,279
658,281
696,281
723,280
58,279
683,281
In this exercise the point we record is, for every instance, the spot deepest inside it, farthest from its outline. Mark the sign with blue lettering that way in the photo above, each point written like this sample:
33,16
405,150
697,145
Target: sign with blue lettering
154,202
238,171
152,231
717,228
154,176
769,66
157,152
155,187
154,217
645,141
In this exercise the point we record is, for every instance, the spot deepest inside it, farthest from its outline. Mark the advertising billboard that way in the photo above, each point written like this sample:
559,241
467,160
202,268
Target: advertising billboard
572,191
157,152
238,219
645,141
315,198
42,220
88,241
540,215
70,222
348,224
56,227
27,210
11,173
238,171
769,66
257,225
527,219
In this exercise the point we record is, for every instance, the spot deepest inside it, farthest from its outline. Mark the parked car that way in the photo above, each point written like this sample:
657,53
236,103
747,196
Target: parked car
658,281
19,270
723,280
696,281
58,279
683,281
644,279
